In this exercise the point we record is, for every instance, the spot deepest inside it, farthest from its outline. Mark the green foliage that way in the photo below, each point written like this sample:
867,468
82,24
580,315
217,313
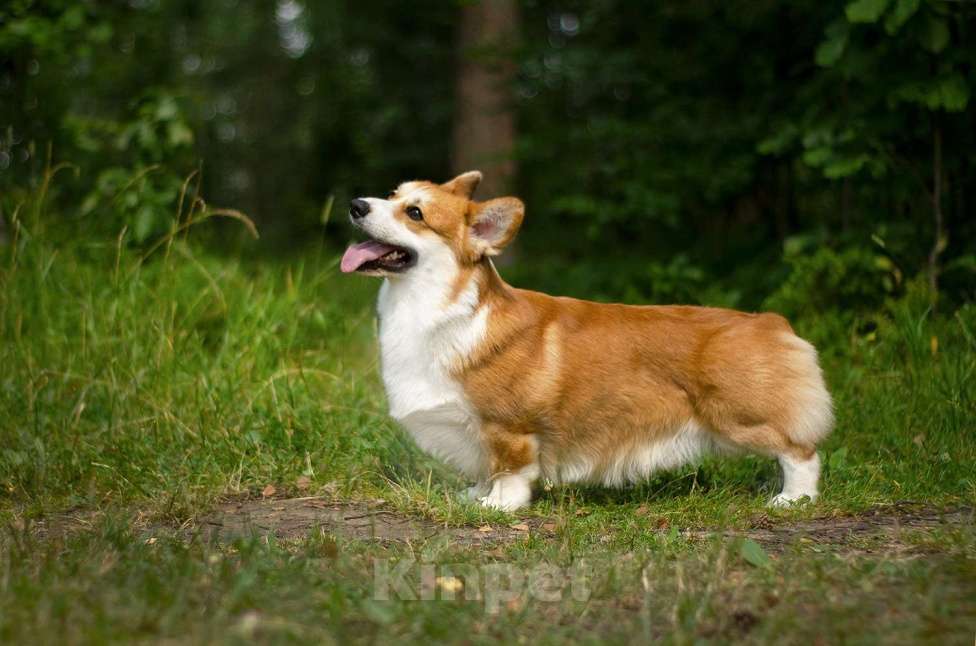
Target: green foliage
140,194
689,159
880,69
949,92
61,29
865,10
839,154
851,281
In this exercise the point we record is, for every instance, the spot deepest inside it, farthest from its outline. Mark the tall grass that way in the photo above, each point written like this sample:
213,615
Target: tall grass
169,374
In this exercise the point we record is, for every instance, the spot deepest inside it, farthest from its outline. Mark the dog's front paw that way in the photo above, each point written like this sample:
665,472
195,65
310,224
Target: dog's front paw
508,493
476,492
500,502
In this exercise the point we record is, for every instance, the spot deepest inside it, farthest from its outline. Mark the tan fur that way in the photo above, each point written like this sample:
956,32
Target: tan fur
590,377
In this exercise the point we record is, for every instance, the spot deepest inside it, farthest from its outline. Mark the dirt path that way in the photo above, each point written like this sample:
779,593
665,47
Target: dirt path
296,517
881,528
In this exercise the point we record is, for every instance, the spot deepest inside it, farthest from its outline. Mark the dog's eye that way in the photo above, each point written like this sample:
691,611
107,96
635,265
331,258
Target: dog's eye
414,213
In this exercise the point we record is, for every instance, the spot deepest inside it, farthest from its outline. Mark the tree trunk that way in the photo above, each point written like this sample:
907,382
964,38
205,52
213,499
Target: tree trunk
940,241
845,206
484,125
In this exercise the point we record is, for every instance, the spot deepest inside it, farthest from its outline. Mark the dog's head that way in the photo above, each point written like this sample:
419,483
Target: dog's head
422,224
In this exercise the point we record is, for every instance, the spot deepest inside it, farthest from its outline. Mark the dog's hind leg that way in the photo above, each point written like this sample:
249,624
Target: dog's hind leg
800,462
800,477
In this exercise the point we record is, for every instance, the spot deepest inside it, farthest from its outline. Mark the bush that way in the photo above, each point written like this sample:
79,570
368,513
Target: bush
854,281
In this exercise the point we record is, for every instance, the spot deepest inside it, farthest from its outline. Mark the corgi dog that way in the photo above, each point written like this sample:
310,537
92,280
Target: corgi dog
512,386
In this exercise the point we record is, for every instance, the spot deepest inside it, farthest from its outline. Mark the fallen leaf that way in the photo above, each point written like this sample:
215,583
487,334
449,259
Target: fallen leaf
761,521
303,483
268,491
522,527
582,512
549,527
484,528
642,510
449,583
662,523
151,540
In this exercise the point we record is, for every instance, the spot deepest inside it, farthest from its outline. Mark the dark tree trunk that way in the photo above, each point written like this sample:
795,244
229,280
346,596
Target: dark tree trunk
484,125
940,236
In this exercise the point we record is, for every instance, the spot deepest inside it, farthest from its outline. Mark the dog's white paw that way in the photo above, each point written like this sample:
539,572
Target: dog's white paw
785,500
500,502
508,493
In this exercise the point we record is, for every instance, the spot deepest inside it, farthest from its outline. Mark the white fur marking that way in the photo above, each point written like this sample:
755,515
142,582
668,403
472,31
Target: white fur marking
799,479
448,432
635,462
422,339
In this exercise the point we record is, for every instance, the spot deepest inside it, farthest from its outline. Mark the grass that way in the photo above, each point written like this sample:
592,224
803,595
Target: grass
137,391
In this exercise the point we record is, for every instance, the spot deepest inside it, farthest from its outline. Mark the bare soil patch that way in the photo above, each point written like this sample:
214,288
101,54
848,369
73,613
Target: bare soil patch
291,518
880,528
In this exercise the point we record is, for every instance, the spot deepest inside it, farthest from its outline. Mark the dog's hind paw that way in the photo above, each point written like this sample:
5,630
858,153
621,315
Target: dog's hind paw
784,500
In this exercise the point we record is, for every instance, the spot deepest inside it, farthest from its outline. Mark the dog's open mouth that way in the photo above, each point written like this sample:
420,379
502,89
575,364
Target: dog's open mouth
375,257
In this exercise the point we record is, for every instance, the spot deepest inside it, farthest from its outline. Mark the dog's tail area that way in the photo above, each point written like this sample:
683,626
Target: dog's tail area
813,409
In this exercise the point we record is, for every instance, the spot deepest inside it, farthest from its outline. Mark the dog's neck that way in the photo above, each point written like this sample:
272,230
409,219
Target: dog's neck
431,298
430,324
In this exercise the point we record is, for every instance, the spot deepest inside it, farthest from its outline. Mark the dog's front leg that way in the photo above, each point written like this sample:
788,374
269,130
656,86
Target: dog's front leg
514,463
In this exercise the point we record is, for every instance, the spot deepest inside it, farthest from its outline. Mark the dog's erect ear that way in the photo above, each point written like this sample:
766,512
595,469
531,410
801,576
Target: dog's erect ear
464,184
494,223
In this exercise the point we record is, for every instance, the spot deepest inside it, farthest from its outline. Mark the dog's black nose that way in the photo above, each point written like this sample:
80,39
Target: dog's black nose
358,208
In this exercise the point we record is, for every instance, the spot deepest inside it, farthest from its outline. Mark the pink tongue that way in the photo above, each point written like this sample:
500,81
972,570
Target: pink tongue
359,254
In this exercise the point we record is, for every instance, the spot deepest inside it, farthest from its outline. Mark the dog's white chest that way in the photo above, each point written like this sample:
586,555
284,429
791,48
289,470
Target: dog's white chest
420,340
